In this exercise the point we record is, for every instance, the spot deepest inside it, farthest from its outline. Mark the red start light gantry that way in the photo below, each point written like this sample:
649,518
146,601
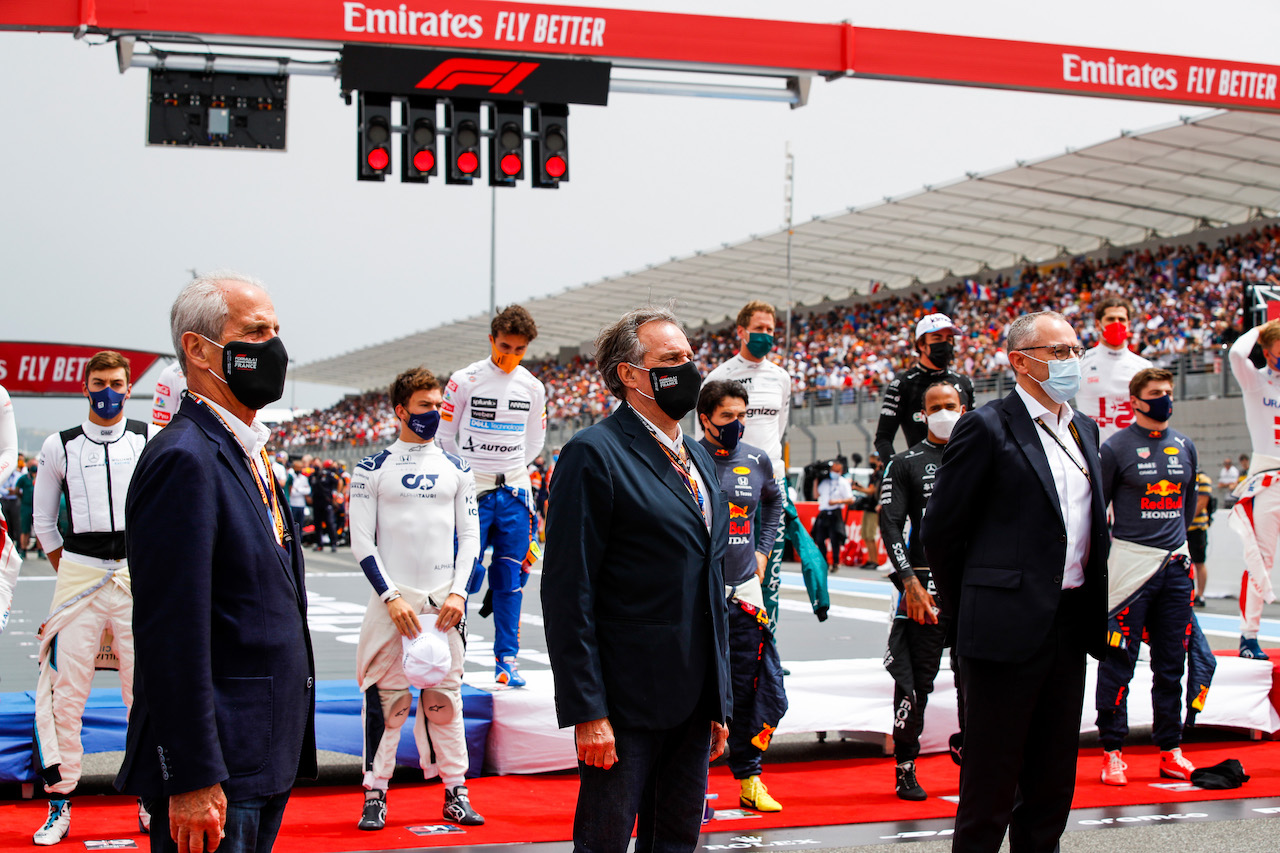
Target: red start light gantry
379,159
468,162
556,167
424,161
511,164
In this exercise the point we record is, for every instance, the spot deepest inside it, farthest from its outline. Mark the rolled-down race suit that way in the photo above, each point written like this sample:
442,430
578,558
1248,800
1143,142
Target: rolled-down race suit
1256,518
813,565
759,699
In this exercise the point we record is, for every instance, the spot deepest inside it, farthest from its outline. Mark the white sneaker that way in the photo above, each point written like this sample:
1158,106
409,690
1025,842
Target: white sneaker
56,825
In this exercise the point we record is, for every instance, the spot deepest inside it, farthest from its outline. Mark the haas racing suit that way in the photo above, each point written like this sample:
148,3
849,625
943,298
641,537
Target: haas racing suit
1104,389
903,406
755,671
407,503
497,422
1256,516
168,396
90,623
915,650
10,562
1149,480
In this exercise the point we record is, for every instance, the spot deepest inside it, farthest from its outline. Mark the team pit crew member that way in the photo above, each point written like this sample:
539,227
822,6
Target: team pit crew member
1107,369
90,622
755,670
904,398
1149,480
918,632
1256,515
495,417
769,385
407,503
834,494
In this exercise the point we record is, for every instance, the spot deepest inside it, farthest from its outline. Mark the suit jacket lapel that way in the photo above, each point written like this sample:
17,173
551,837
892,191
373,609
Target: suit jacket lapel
1025,433
646,446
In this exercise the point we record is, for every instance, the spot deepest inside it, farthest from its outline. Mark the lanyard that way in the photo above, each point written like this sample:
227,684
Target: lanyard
1079,443
272,503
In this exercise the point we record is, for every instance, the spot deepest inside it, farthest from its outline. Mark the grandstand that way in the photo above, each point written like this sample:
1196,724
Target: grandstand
1178,219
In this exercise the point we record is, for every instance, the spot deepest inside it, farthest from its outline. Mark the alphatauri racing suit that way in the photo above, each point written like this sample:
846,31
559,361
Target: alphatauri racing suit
903,405
90,623
497,421
407,502
915,650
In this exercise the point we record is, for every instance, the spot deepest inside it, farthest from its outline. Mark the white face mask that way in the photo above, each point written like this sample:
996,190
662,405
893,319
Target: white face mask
942,422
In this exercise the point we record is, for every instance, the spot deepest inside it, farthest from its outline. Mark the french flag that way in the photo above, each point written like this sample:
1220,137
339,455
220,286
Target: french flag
977,291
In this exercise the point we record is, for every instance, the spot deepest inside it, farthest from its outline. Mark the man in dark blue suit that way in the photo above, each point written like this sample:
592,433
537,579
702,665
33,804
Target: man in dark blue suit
224,703
633,598
1016,535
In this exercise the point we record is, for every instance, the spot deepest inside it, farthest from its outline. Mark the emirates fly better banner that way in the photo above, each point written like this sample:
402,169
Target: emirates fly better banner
57,370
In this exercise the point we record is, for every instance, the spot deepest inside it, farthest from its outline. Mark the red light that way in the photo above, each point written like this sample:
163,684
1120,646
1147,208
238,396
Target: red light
468,162
555,167
379,159
424,161
511,164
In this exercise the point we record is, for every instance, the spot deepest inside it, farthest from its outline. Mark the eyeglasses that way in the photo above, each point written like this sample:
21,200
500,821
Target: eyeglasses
1061,352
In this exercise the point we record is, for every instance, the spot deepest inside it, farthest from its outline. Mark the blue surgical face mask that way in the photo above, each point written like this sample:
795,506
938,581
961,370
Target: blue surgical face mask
1160,409
107,403
728,434
1064,378
425,424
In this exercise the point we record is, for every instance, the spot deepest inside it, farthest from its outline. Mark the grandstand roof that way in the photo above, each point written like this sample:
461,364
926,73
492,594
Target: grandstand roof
1213,170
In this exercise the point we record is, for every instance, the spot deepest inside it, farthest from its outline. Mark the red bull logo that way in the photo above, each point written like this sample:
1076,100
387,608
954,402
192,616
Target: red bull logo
1164,488
736,511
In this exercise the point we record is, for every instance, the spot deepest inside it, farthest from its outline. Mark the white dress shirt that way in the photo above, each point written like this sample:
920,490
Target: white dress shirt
677,447
1075,492
833,488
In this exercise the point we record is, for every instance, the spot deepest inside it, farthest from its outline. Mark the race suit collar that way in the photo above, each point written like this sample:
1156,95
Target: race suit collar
103,434
401,446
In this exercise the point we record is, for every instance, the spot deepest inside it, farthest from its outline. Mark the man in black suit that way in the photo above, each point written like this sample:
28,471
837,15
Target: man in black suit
633,598
1016,535
224,702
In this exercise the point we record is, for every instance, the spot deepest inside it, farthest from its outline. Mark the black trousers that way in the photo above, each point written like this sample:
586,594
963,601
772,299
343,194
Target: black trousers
1021,740
828,527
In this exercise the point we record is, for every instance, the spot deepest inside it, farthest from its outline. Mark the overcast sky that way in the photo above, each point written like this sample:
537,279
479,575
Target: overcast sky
98,231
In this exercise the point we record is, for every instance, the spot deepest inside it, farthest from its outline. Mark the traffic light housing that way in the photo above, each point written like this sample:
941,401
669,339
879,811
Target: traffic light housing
550,145
506,145
462,145
418,159
374,146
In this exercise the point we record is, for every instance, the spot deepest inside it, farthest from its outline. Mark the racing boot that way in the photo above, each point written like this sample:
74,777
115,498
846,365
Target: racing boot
457,807
1249,648
374,815
56,825
907,786
754,795
1113,768
505,672
1173,765
144,818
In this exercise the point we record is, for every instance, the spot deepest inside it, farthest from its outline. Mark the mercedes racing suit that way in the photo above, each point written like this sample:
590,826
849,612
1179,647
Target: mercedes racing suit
407,503
10,562
90,624
1149,480
914,654
497,421
768,410
1256,516
903,405
755,671
1104,389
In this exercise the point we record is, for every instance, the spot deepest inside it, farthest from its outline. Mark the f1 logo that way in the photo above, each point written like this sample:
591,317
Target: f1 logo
500,76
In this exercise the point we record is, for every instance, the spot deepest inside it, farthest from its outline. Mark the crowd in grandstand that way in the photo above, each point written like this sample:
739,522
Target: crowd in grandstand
1186,299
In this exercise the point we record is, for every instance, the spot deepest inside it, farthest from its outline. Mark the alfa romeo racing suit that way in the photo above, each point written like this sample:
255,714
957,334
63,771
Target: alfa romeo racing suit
407,502
755,670
1104,389
1149,480
768,410
497,421
10,562
1256,515
903,405
914,654
90,623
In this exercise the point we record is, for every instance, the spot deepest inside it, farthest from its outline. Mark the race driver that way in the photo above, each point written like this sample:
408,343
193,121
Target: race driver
495,417
1106,370
903,404
755,670
10,562
918,632
168,393
1255,362
407,505
91,464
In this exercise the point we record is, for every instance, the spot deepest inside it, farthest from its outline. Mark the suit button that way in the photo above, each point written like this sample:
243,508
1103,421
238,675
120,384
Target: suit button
164,776
1062,538
1057,579
310,681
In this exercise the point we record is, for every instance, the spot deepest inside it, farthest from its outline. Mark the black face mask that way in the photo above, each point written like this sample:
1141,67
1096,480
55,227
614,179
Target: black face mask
255,371
675,389
941,353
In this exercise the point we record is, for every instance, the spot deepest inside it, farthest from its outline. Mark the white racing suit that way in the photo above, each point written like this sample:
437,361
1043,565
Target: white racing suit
10,562
1256,518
